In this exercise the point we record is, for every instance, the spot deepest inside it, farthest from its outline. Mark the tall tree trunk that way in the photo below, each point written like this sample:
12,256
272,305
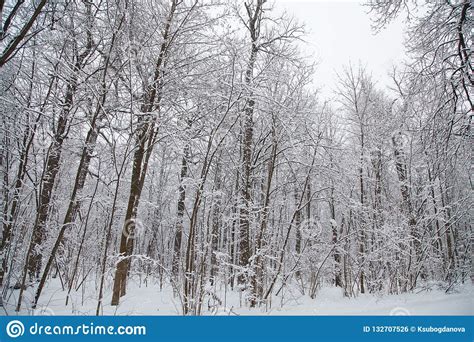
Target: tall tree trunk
437,233
335,241
180,213
290,226
190,301
27,143
145,142
74,203
362,229
257,277
34,255
402,173
298,239
247,141
216,221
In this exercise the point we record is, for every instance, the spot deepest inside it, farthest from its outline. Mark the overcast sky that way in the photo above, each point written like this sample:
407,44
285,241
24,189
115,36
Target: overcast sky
340,32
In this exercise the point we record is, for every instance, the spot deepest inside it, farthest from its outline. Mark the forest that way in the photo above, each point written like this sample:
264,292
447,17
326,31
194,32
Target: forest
179,149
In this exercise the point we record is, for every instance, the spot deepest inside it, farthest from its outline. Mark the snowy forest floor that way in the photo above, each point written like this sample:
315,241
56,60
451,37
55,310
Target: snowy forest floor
151,300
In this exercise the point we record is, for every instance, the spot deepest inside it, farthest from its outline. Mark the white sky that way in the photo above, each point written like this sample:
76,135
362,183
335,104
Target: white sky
340,32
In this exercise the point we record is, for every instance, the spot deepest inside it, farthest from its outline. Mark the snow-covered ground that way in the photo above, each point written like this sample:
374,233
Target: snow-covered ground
150,300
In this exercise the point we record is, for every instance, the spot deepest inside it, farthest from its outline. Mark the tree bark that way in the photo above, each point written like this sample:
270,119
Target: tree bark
247,141
257,277
180,213
145,142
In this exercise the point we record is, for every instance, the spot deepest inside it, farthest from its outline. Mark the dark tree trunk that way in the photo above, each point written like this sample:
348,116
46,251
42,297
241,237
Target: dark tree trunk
337,255
74,203
407,205
145,142
180,214
216,222
257,278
